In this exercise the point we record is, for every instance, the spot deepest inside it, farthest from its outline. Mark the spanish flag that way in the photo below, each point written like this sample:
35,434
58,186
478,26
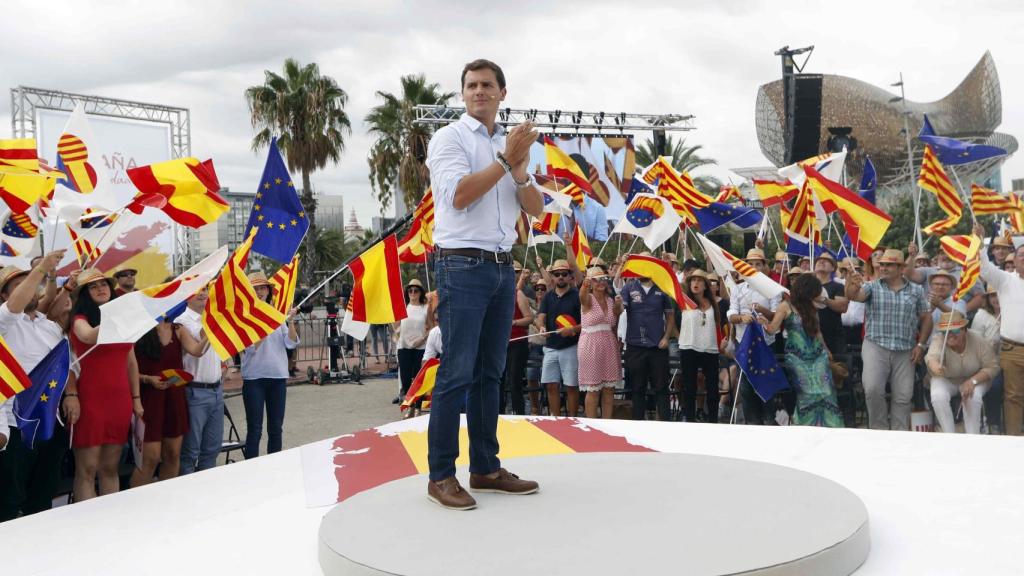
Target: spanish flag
773,192
235,318
933,178
661,274
176,377
21,191
284,285
410,248
565,321
13,378
561,165
865,223
188,185
581,248
423,385
377,297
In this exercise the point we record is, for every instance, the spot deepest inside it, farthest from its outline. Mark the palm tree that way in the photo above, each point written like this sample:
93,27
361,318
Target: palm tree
306,112
684,159
398,155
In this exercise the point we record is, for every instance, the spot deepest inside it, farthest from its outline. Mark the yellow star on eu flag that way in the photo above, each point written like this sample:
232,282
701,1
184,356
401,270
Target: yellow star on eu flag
52,384
281,226
267,185
270,224
43,397
277,180
259,218
259,195
256,207
295,222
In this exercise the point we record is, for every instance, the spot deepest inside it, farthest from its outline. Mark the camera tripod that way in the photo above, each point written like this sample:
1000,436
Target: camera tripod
331,372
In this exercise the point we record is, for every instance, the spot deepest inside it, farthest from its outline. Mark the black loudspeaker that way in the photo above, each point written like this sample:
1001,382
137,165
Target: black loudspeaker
804,124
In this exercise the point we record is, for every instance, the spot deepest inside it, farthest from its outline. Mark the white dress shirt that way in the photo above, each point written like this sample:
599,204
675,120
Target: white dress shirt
30,340
206,368
433,348
456,151
1010,287
742,302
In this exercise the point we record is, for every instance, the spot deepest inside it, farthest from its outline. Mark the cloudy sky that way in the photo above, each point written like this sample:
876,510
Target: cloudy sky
700,58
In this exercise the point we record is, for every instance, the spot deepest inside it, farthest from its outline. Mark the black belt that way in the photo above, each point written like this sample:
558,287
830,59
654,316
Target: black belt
485,255
203,385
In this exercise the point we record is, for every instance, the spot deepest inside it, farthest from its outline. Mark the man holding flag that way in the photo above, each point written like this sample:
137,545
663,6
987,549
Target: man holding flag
29,474
480,183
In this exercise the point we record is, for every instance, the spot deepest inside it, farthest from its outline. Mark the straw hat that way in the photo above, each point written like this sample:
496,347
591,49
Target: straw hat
1002,241
414,282
596,273
712,277
940,273
850,263
10,273
560,265
923,256
697,273
829,257
781,256
258,279
755,254
891,256
517,266
952,320
596,261
88,276
796,271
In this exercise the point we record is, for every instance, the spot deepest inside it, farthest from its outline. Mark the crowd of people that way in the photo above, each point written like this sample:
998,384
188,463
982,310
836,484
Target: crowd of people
581,338
166,388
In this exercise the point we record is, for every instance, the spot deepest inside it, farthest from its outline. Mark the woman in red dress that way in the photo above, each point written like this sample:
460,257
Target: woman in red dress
108,390
163,402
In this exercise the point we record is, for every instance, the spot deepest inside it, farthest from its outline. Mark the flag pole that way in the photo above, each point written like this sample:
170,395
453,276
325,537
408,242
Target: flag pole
963,194
120,214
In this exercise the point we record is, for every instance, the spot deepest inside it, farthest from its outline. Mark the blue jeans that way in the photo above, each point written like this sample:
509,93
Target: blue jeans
256,394
205,435
475,314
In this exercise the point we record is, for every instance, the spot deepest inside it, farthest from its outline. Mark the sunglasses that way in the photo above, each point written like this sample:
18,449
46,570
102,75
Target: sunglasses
559,274
123,274
414,289
954,332
540,288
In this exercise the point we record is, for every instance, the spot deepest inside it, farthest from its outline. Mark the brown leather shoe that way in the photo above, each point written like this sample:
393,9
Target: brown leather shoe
505,483
448,493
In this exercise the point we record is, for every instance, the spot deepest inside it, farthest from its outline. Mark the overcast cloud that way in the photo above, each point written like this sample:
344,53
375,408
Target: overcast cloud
700,58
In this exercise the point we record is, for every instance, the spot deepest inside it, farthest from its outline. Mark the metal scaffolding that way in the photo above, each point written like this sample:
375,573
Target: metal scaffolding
25,101
565,120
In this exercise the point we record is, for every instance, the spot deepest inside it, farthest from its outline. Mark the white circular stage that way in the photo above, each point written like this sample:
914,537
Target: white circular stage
609,514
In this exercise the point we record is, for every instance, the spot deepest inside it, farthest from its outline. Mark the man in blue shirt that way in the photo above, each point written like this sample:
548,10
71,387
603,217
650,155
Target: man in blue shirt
560,361
480,182
649,321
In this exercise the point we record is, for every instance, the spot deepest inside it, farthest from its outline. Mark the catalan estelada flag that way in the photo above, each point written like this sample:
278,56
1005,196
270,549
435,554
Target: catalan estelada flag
283,283
661,274
422,385
865,223
581,248
988,201
561,165
773,192
188,186
565,321
377,295
234,318
965,251
933,178
13,378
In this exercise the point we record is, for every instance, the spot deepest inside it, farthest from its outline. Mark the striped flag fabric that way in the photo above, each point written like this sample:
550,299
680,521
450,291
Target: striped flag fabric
865,223
661,273
523,229
21,191
283,282
422,385
773,192
933,178
410,248
18,155
988,201
73,154
725,263
651,218
561,165
189,187
964,250
234,318
377,294
85,252
545,229
728,193
565,321
677,187
424,213
580,248
19,231
13,378
92,232
352,327
176,377
1017,218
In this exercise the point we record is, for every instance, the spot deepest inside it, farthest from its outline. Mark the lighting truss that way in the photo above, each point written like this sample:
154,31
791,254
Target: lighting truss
564,120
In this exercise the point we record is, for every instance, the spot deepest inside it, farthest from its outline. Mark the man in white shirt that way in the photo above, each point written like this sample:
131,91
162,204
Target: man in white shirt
480,182
205,394
745,305
1010,287
29,476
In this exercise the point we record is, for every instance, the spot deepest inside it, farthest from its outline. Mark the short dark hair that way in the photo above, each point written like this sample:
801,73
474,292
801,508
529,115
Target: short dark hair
480,64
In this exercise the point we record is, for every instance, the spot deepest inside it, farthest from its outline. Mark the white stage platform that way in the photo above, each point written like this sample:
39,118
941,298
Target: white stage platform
608,514
938,504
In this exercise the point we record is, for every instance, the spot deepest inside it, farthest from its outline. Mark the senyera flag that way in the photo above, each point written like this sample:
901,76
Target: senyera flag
13,378
725,264
659,271
964,250
422,385
129,317
283,283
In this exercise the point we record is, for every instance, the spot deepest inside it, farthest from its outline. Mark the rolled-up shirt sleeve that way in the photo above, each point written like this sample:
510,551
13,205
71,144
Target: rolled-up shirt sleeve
448,163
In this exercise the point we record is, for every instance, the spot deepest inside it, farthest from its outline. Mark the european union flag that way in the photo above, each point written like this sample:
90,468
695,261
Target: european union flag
952,152
35,409
637,186
757,362
868,182
277,212
717,214
172,314
798,247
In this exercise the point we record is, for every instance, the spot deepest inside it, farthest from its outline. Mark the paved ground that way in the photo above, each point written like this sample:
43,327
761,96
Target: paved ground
316,412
